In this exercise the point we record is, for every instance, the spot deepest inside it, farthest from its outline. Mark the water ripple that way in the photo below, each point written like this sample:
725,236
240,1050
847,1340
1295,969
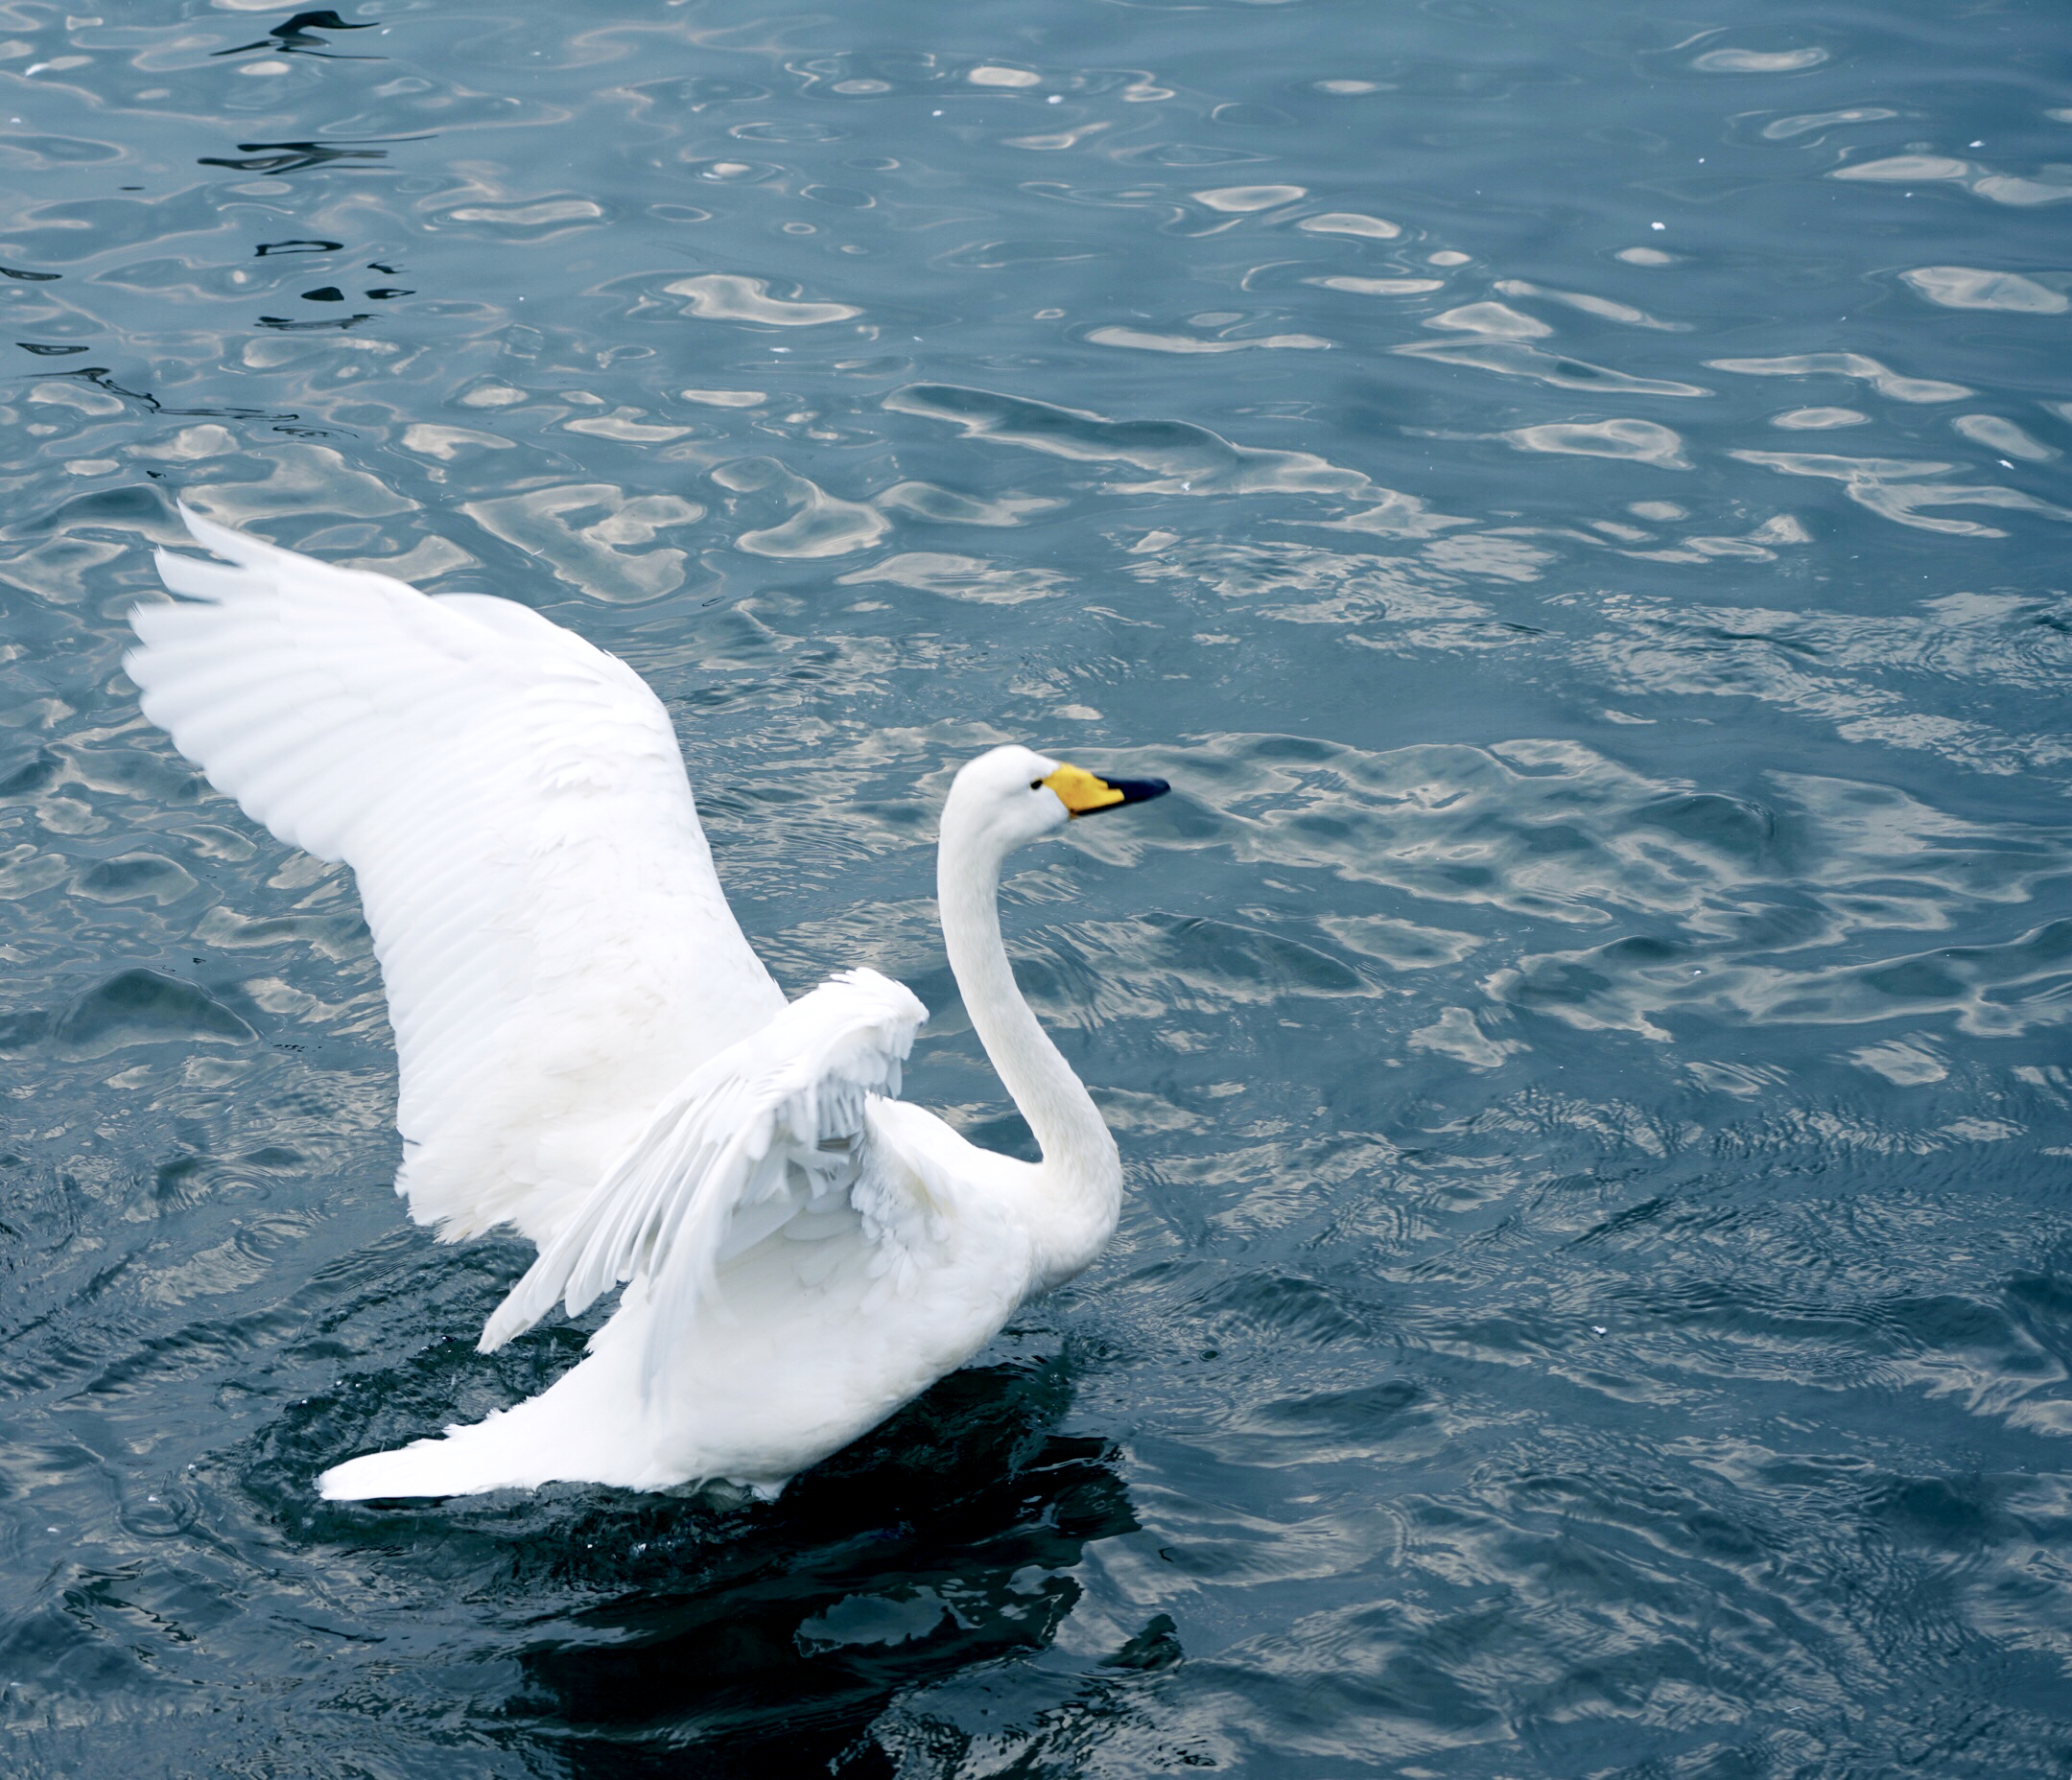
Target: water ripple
1570,501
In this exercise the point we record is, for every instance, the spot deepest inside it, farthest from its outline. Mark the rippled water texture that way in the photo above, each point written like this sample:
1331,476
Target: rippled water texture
1575,501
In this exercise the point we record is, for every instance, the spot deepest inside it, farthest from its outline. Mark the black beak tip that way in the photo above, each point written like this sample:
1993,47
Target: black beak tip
1140,790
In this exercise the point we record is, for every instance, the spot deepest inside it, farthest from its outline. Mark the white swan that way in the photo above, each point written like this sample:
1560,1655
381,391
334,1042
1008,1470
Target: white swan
590,1051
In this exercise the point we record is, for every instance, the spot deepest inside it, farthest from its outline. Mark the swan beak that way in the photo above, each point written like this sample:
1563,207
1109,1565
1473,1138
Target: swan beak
1082,792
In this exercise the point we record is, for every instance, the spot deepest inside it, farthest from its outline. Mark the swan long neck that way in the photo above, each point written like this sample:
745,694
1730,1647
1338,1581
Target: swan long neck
1080,1182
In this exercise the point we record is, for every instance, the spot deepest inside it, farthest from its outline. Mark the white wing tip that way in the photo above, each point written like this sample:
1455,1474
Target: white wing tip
510,1319
897,1004
232,546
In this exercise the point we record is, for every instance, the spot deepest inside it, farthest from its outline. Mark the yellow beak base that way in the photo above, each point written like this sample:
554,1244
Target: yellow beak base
1080,790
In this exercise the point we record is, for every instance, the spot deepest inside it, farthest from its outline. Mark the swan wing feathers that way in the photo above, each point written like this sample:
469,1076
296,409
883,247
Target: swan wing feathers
774,1127
553,940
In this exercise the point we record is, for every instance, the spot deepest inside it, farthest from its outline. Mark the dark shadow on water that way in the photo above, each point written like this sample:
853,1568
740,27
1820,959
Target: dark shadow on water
940,1542
748,1639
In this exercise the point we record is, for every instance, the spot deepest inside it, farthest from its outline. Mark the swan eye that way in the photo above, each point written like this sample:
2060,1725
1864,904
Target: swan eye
1035,784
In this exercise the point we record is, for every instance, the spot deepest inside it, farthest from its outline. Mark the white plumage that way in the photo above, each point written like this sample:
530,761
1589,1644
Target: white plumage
591,1052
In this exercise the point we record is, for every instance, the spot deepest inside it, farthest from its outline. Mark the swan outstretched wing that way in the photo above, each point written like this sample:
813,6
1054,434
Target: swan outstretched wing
557,950
772,1130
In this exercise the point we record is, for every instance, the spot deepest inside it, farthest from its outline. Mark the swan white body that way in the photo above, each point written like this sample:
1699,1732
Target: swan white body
590,1051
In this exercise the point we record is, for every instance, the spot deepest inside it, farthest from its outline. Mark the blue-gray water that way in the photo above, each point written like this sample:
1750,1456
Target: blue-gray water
1575,501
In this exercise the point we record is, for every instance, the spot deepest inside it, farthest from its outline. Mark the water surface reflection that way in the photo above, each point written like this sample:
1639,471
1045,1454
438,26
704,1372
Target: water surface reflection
1573,502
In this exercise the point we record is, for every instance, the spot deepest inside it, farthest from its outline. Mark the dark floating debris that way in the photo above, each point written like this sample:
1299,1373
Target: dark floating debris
294,156
8,272
375,266
292,38
330,321
382,292
48,352
298,246
324,294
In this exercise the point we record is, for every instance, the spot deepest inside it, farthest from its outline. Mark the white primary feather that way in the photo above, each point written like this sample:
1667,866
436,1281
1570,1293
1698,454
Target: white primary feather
590,1051
557,950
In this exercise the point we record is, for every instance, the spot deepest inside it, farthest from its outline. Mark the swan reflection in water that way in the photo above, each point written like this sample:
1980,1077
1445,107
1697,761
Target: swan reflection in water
943,1541
750,1638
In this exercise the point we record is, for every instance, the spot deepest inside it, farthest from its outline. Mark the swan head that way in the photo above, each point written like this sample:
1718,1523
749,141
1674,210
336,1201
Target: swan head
1010,796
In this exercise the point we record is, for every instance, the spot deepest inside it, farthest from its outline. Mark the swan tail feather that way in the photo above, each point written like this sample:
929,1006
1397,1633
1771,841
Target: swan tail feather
463,1462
